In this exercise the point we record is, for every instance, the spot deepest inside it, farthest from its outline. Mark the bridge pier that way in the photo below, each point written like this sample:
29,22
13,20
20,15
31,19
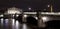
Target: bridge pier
41,24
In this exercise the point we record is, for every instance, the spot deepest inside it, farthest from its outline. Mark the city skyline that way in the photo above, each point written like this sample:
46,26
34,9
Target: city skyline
41,5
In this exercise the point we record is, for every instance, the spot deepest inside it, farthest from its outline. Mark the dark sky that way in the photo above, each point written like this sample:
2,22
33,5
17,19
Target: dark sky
34,4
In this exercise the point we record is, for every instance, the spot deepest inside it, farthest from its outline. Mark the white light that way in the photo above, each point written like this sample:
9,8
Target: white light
45,19
58,12
2,20
24,26
25,15
13,21
47,13
17,24
1,15
17,15
30,12
13,11
36,18
29,8
48,5
50,13
6,20
13,15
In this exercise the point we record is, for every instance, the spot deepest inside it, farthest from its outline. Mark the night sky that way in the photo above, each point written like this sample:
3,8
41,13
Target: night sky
34,4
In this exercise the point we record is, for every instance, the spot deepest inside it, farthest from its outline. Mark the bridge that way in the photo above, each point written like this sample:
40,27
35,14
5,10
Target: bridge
41,17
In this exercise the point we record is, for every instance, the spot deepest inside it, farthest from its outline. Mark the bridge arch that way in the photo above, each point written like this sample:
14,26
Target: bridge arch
31,20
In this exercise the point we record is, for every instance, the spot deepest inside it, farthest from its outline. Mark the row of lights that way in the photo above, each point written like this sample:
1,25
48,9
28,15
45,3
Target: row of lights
49,13
43,18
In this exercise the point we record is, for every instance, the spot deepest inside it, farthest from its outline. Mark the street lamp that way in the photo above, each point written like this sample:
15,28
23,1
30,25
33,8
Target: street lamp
1,15
45,19
36,18
25,15
17,15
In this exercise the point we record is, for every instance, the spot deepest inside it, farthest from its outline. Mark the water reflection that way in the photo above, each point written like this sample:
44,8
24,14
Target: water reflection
13,23
17,24
24,26
6,23
2,21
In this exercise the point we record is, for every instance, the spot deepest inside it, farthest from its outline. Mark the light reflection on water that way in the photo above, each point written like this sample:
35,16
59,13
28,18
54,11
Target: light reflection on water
2,21
14,24
24,26
17,24
6,23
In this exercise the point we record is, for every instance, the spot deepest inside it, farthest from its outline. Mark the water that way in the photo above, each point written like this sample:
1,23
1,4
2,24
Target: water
12,24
